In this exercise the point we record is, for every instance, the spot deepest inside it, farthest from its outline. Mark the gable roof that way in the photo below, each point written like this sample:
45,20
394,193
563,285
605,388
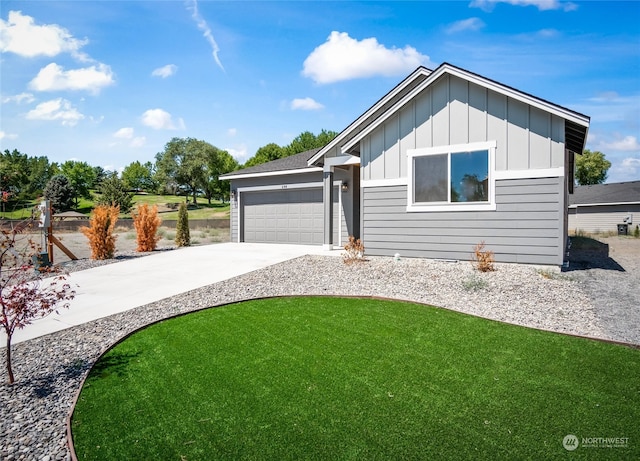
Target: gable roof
606,194
297,163
576,124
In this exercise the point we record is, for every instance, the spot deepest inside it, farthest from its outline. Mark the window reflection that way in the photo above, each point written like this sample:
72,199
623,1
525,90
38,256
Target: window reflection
470,176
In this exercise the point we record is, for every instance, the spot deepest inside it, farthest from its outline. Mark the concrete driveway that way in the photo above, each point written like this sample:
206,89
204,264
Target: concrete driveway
121,286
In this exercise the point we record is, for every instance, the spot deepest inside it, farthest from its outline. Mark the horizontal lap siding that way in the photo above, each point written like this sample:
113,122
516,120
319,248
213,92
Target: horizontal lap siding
525,228
603,218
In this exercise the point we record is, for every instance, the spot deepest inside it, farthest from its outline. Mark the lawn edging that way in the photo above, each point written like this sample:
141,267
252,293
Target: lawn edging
68,419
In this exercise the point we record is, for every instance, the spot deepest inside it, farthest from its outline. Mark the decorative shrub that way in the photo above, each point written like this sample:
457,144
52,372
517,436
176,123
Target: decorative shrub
100,231
482,259
354,250
636,231
183,239
146,222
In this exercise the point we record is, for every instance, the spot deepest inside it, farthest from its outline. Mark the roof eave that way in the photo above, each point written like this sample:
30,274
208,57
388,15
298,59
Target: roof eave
263,174
575,119
420,71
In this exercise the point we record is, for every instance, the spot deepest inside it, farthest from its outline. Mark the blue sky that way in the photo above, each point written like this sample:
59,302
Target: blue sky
112,82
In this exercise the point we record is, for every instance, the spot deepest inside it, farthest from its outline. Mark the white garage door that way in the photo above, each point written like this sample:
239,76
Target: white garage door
286,216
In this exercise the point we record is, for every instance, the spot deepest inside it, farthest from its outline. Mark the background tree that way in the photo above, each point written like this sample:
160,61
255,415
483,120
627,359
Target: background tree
60,191
183,162
591,168
138,176
219,162
183,238
113,192
82,177
303,142
40,172
13,173
24,297
100,175
23,177
307,141
265,154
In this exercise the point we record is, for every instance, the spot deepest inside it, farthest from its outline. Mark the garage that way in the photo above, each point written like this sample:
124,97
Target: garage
293,216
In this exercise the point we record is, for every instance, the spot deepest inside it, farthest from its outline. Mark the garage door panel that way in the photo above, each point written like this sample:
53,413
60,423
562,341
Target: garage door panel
286,216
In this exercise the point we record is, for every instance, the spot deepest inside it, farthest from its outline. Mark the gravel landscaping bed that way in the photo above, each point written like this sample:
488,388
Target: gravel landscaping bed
50,369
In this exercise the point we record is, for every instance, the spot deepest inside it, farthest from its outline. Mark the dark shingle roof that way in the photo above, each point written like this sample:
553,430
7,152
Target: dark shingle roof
293,162
620,192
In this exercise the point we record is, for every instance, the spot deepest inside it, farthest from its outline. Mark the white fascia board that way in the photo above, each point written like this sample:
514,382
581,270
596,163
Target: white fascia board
530,174
580,205
384,182
368,113
271,173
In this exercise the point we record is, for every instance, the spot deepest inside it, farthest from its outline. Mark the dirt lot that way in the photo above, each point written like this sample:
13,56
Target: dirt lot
610,275
78,244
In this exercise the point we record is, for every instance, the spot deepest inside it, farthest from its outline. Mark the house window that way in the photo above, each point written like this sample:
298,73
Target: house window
451,178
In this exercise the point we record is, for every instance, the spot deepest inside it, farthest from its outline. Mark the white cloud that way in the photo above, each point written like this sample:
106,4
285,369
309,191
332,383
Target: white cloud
165,71
159,119
631,162
232,132
626,144
5,135
124,133
239,152
56,109
20,35
471,24
54,78
343,58
138,141
192,5
19,98
627,169
542,5
305,104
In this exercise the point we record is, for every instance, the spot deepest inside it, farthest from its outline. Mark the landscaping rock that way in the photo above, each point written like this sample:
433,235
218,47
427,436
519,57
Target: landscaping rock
49,370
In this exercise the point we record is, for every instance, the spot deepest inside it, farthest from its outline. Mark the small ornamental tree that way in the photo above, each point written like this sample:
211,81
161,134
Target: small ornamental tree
183,239
25,295
146,222
100,231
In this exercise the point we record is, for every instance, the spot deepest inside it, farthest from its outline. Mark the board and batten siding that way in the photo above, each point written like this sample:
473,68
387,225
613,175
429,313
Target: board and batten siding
455,111
527,226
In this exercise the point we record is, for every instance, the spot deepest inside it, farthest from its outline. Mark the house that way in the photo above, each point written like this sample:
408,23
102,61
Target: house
602,207
445,160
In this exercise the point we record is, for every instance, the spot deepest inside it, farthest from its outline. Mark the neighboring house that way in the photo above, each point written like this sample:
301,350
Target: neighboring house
602,207
445,160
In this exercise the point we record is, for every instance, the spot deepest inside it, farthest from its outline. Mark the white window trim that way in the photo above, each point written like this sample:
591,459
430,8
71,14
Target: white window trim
489,146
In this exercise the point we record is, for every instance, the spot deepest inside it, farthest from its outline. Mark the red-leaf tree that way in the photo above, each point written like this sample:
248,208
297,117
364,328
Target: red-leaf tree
26,294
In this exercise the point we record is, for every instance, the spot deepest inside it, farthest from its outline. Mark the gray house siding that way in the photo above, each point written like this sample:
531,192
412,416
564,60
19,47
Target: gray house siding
455,111
527,226
602,218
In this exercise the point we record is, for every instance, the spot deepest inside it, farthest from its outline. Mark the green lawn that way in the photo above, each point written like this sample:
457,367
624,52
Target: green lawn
204,211
333,378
